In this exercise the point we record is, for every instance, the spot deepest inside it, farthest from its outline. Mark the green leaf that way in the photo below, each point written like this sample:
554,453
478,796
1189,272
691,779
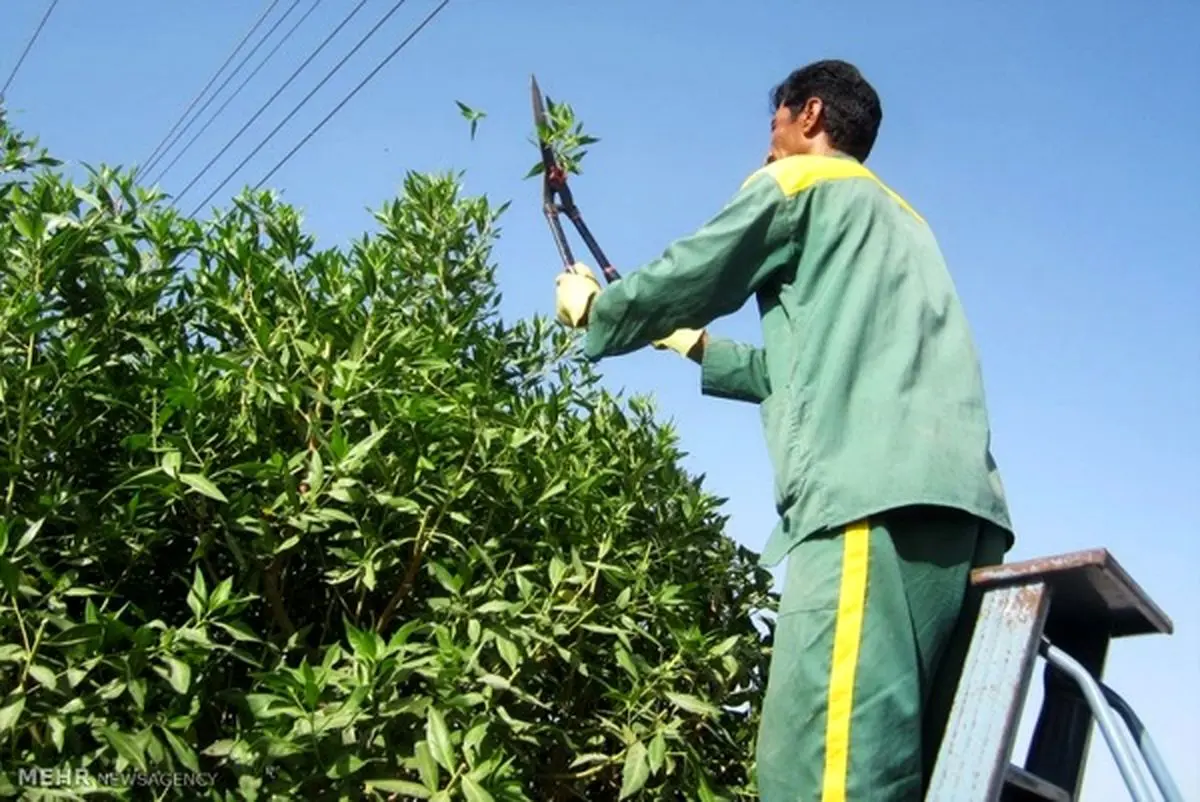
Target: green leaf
10,713
558,570
88,198
172,461
126,745
657,752
439,738
473,791
704,791
23,224
316,472
358,453
289,543
361,642
625,661
30,533
725,645
471,115
178,673
426,765
552,491
183,752
693,705
73,706
589,757
58,732
197,597
494,606
475,736
45,676
345,766
508,652
496,681
202,485
405,788
137,691
220,748
80,633
635,772
10,577
220,594
238,631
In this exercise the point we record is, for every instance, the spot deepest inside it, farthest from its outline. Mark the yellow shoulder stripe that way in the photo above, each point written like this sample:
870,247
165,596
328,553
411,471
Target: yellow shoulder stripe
795,174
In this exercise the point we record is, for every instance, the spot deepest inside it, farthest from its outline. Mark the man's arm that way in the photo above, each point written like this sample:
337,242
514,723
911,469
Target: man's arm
732,370
698,278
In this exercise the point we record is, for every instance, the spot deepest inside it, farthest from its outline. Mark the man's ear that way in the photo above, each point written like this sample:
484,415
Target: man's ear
812,116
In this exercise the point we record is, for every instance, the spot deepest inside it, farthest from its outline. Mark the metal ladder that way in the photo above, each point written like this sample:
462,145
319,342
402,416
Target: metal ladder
1066,609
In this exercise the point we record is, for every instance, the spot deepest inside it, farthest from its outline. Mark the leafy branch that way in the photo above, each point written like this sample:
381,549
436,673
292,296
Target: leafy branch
564,133
472,116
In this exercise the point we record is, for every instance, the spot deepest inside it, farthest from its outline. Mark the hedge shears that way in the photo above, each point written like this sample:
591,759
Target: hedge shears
557,198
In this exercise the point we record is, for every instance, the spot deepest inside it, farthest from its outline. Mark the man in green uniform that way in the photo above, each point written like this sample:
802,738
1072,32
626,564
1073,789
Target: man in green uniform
872,403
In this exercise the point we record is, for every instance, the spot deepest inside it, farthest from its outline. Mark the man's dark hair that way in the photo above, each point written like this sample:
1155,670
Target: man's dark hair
852,108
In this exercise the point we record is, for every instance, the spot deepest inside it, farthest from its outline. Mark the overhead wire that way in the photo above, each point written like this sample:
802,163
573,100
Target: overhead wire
238,68
315,89
353,92
241,86
245,38
272,98
28,46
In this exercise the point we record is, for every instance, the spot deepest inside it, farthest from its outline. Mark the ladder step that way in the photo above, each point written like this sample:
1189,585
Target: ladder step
1091,591
1020,785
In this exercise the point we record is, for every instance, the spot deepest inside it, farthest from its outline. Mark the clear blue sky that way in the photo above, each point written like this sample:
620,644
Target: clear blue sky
1049,145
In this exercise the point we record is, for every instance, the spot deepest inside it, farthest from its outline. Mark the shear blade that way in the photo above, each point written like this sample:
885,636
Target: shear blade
539,108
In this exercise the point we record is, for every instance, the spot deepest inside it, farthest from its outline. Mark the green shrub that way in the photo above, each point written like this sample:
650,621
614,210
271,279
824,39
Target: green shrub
318,524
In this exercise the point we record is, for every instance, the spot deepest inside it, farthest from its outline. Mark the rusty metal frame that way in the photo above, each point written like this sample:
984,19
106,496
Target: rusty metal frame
1094,601
991,692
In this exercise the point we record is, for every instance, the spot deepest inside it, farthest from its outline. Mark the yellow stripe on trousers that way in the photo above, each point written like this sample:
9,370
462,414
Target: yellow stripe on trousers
852,603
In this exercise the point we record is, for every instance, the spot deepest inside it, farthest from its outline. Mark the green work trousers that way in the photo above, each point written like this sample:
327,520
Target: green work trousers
873,626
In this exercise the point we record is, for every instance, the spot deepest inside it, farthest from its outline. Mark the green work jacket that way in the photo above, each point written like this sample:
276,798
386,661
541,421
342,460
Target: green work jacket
868,381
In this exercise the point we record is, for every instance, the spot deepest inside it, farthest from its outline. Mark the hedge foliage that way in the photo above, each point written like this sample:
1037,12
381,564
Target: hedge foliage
284,522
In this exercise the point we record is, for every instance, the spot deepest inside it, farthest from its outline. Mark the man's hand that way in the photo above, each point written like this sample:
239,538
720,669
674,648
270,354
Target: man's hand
685,342
574,290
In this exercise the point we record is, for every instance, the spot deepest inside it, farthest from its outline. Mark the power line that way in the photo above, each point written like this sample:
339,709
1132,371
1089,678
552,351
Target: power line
299,105
28,46
353,92
211,80
262,40
272,98
241,86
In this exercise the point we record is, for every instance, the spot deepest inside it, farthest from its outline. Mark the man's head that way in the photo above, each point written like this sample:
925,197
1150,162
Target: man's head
825,107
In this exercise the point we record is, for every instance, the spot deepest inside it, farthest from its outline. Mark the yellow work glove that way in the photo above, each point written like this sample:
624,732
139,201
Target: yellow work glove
574,290
681,341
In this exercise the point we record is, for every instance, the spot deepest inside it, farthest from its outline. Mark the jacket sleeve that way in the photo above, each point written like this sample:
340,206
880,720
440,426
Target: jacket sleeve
735,371
699,278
